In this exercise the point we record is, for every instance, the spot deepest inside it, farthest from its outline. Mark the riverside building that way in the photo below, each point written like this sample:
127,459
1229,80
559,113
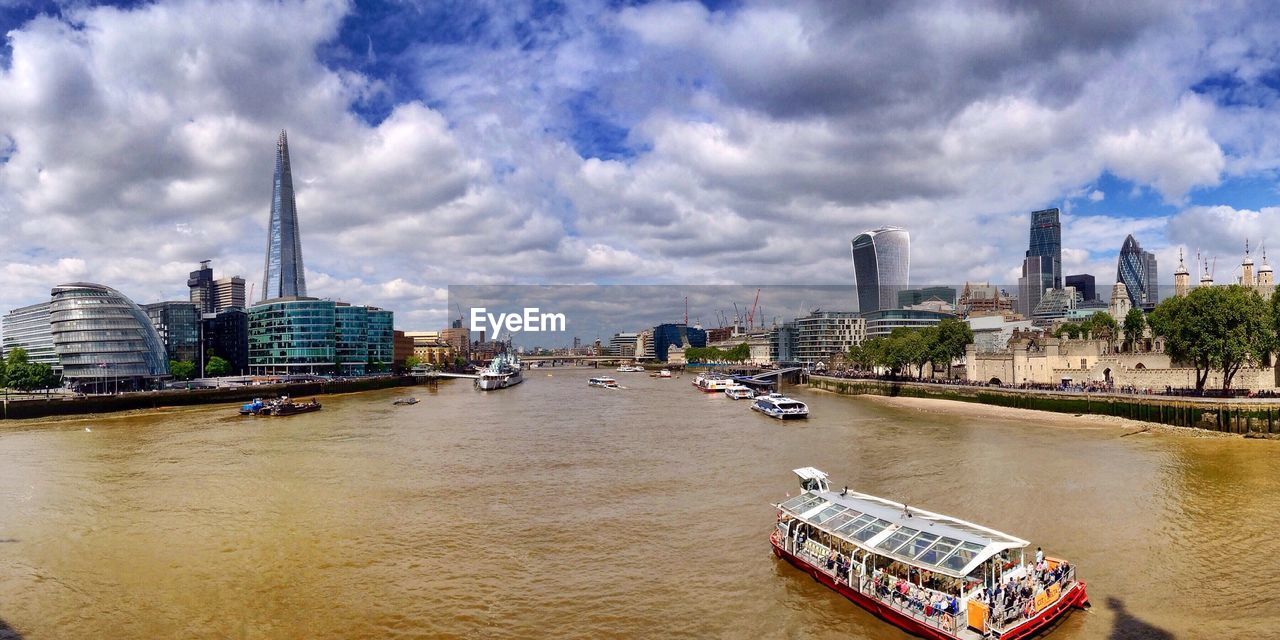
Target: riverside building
178,324
28,328
823,334
308,336
104,340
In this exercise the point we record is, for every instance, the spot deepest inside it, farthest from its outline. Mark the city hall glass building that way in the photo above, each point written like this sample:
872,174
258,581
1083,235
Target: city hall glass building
103,339
881,266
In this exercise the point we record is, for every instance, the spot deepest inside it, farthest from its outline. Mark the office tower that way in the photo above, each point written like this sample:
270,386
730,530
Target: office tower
226,335
882,267
283,276
1033,283
178,324
28,328
201,284
1046,242
228,293
1085,285
1137,270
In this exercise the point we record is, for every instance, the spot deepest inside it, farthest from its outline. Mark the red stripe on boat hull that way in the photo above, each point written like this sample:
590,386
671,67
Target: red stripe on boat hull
1074,597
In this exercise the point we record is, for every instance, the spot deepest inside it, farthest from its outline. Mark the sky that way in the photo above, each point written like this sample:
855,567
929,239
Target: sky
672,143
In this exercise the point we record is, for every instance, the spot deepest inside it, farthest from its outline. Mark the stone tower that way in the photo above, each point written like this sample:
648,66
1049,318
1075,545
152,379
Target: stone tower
1181,278
1246,267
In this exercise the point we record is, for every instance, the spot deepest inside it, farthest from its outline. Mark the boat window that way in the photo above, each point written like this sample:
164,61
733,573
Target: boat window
914,546
797,501
937,552
896,539
858,523
816,503
827,513
871,530
961,556
841,519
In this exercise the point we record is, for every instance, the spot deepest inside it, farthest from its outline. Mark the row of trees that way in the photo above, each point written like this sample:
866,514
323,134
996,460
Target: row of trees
18,372
740,353
1102,326
1218,329
938,345
213,367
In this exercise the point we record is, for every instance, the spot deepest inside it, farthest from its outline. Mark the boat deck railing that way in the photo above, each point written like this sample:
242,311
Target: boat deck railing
1006,618
866,586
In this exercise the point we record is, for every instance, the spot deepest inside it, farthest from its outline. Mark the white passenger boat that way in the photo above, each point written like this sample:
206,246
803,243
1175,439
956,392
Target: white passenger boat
739,392
665,373
603,381
631,368
781,407
930,575
503,372
712,383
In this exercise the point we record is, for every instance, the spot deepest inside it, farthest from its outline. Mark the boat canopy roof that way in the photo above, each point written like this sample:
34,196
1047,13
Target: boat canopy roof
923,539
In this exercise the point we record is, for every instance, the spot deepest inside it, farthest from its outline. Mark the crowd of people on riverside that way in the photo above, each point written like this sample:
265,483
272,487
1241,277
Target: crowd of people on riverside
1062,387
1015,598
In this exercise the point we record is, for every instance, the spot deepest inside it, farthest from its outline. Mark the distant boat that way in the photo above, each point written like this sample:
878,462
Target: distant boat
404,401
285,407
603,381
739,392
631,368
665,373
253,408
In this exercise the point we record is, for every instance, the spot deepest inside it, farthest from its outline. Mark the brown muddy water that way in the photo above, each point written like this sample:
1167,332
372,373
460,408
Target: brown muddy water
556,510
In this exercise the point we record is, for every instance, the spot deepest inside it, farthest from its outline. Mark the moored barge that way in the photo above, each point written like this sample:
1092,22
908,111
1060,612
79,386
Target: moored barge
930,575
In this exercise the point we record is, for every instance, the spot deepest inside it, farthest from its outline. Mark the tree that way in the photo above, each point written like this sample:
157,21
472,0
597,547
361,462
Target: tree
182,369
949,342
21,373
910,347
412,361
1221,328
1101,326
217,366
1135,322
1070,329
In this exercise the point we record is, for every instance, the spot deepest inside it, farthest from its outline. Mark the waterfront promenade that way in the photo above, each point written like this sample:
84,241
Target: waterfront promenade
1228,415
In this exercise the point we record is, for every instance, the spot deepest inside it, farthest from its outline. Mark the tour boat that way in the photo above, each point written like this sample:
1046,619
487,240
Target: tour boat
713,383
739,392
603,381
503,372
665,373
928,574
776,405
631,368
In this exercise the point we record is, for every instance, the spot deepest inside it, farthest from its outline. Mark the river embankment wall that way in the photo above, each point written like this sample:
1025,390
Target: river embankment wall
1228,416
62,406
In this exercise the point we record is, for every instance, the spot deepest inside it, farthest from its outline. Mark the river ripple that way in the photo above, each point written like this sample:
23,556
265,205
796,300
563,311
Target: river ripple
554,509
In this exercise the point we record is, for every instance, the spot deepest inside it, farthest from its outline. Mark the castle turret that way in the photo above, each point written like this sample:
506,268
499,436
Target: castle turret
1206,278
1181,278
1120,303
1246,267
1264,273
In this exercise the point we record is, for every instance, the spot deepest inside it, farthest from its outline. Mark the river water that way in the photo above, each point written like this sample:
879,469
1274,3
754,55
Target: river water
556,510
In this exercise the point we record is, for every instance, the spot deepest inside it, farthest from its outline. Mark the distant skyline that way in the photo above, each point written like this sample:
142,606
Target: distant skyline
587,142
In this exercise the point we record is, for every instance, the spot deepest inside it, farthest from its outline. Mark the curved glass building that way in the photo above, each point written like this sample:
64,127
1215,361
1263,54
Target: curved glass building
1137,270
882,266
100,335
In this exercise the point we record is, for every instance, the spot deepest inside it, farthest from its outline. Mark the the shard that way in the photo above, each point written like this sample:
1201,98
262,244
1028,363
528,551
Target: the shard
283,274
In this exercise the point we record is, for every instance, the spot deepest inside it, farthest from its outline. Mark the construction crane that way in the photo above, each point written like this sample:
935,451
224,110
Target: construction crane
752,313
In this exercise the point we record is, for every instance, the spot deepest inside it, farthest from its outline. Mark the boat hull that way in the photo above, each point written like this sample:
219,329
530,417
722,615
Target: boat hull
492,384
1074,598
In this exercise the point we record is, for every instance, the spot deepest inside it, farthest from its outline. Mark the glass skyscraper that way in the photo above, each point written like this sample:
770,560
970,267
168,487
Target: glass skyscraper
1137,270
882,266
283,275
1046,242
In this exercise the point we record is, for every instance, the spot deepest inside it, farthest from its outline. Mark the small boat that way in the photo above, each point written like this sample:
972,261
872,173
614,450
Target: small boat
287,407
781,407
925,573
665,373
631,368
604,382
253,408
739,392
405,401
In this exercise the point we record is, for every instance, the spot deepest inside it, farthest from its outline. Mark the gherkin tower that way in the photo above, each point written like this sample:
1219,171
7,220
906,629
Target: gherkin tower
283,274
